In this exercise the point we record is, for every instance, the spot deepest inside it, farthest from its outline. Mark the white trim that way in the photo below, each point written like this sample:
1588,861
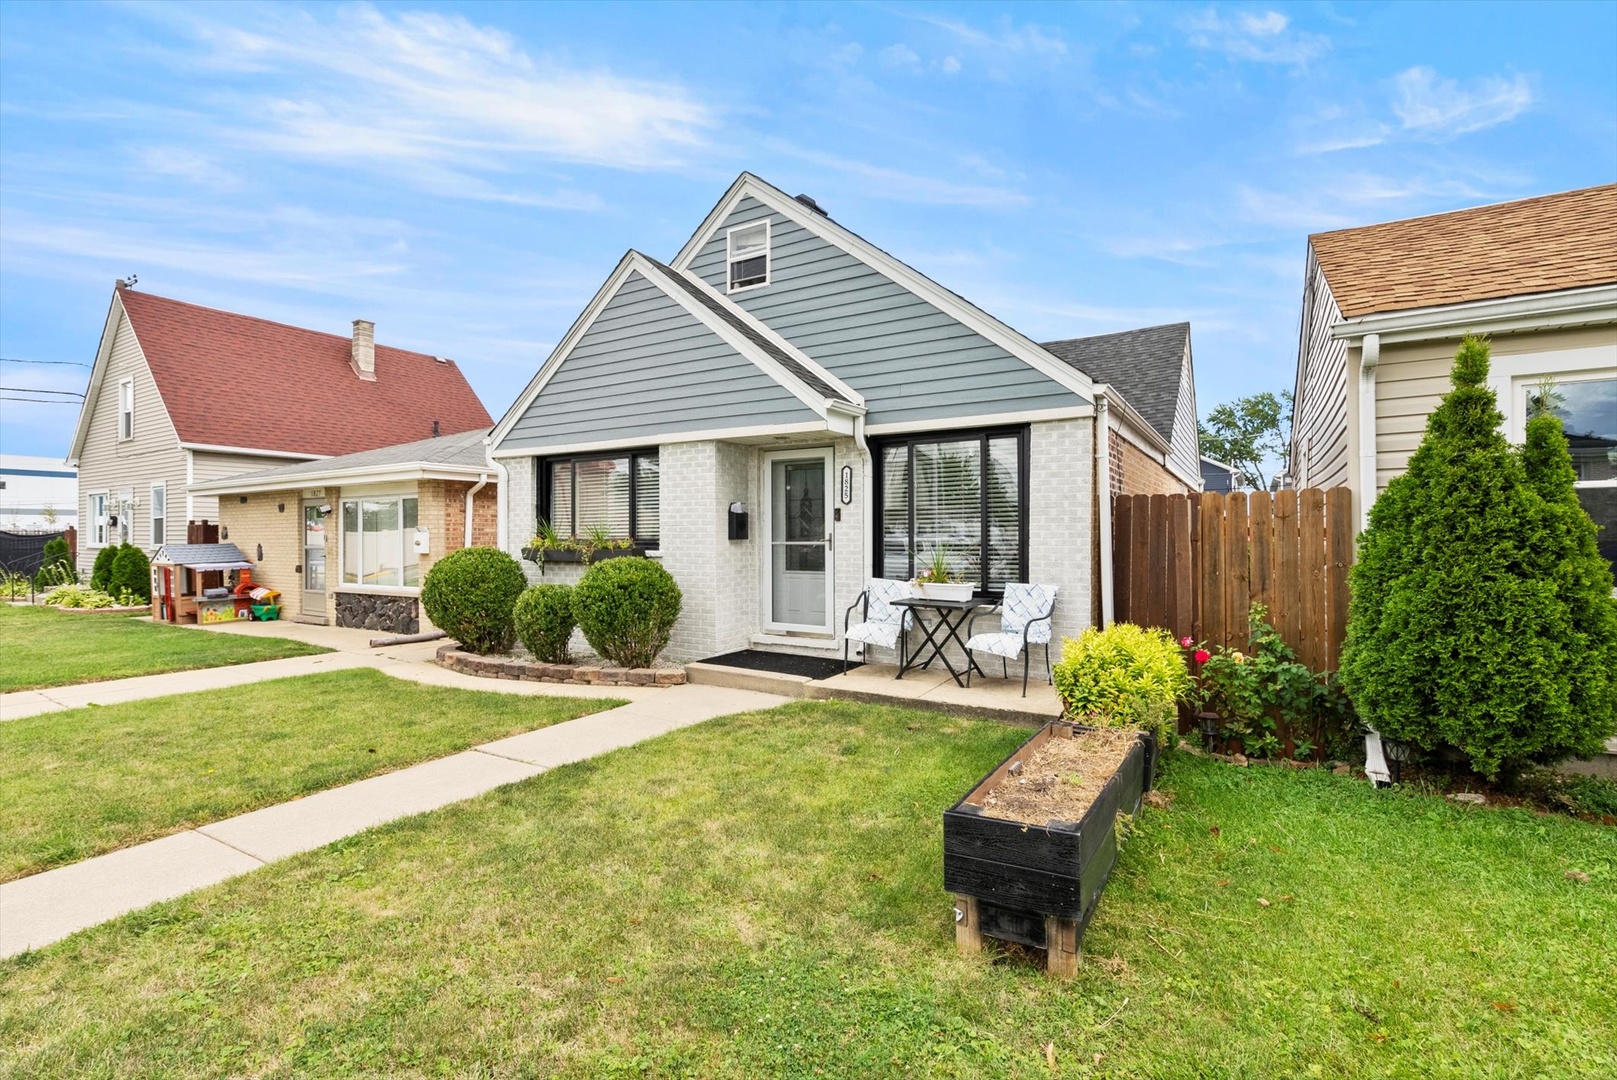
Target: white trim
374,590
98,375
151,514
375,474
706,435
966,313
766,561
730,258
101,522
190,500
1103,500
1369,360
406,554
1539,311
248,451
947,423
126,411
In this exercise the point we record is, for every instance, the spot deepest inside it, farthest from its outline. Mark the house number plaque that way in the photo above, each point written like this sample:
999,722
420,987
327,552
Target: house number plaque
847,485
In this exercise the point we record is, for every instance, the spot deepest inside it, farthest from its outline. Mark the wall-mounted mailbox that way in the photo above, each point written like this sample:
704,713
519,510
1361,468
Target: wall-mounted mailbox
738,521
423,542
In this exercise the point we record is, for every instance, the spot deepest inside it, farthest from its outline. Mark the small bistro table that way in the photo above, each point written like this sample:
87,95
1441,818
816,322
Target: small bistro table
951,616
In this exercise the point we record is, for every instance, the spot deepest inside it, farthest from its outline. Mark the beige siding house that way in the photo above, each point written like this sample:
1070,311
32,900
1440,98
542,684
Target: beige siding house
181,394
1385,307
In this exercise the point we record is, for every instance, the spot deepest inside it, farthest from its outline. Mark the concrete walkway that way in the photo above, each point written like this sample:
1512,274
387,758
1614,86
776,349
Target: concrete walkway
36,911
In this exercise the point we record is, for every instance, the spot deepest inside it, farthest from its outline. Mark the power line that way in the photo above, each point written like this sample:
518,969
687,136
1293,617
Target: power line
33,390
53,363
41,401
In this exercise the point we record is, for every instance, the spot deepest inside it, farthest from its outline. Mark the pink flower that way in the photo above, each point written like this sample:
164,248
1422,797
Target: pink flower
1186,642
1202,656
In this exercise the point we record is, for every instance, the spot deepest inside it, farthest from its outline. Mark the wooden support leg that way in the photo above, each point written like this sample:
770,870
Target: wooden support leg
968,928
1061,949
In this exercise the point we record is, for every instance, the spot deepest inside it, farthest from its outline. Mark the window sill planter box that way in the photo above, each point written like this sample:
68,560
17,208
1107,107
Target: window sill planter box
568,555
1032,884
946,591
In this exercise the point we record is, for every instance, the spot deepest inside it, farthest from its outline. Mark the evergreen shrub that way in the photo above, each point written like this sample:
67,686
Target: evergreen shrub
470,594
545,621
626,608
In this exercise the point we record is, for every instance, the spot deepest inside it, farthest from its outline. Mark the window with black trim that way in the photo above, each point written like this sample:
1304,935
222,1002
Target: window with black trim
616,492
962,492
748,255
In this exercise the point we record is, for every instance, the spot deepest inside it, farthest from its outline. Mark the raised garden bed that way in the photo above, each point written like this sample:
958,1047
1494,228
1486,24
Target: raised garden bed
1029,849
510,667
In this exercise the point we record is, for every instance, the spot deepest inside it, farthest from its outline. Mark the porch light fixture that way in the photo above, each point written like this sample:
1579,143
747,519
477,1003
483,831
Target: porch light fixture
1210,728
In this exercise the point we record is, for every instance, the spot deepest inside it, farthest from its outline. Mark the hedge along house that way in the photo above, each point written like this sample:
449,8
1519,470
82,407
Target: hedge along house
182,394
786,411
348,540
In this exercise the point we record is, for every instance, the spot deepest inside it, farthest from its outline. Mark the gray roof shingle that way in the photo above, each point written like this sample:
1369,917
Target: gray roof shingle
464,448
1144,365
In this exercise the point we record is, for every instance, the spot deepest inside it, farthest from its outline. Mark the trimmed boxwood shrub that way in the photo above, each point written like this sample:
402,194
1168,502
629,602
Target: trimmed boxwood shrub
101,569
471,595
626,608
545,621
1125,675
131,573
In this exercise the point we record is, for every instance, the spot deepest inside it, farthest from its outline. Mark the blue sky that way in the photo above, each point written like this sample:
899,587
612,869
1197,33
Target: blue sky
466,175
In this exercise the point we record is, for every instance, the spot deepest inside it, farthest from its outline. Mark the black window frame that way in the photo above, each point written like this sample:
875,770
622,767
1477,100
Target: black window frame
543,490
878,451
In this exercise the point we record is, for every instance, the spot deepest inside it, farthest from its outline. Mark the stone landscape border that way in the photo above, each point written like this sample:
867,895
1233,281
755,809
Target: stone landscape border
508,667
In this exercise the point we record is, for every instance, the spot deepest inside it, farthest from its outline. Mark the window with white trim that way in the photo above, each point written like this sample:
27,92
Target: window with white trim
159,515
98,519
748,255
126,409
378,541
1587,407
620,493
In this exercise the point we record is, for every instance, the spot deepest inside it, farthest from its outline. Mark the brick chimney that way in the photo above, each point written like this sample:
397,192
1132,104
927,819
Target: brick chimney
364,350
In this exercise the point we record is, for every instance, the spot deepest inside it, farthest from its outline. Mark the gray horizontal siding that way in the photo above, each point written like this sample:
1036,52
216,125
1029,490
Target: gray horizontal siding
646,367
1319,421
911,361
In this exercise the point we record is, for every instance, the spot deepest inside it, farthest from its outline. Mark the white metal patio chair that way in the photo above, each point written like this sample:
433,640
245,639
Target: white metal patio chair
881,623
1024,620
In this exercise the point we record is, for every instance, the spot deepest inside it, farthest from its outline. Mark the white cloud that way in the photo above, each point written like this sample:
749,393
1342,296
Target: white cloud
1265,38
183,163
1431,105
370,86
1009,38
900,56
950,65
885,183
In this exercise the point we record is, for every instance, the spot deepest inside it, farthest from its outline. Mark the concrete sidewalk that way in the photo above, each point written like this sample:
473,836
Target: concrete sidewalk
36,911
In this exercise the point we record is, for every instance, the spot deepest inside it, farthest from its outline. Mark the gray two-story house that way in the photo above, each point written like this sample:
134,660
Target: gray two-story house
860,415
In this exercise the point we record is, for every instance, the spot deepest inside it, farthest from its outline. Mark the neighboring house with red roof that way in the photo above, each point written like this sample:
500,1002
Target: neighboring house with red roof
181,394
1385,306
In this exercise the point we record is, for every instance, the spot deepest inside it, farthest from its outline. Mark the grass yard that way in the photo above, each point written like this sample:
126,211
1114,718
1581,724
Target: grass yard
44,647
760,896
82,782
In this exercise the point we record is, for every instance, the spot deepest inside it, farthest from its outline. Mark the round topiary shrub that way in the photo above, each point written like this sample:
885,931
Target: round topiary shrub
131,573
471,595
101,569
626,608
544,619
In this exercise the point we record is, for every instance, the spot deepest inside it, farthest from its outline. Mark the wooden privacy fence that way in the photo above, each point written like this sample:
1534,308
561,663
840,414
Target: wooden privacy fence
1195,564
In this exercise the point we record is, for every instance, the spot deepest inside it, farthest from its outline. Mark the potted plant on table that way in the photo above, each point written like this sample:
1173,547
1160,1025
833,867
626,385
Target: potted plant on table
936,581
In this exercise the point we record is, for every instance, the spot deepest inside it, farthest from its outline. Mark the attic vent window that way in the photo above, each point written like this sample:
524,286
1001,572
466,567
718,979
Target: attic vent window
749,255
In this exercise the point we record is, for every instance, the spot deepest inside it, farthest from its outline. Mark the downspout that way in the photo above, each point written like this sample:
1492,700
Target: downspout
867,508
482,482
1103,474
501,497
1369,358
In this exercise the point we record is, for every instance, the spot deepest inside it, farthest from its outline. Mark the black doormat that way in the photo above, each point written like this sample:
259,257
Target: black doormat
813,667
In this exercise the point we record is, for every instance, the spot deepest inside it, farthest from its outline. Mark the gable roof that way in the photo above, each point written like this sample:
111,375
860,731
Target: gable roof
1545,244
820,224
769,352
231,380
447,457
1146,366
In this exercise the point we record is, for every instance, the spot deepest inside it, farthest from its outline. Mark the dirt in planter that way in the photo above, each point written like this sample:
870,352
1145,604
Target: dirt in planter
1061,778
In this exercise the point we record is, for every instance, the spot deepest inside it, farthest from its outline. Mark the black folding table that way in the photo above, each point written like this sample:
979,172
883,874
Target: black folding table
951,616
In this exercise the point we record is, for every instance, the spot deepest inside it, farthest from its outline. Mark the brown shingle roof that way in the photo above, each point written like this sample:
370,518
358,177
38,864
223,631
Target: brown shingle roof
235,380
1546,244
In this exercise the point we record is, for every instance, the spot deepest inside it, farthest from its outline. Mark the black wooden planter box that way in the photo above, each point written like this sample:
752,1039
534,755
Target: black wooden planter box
1037,884
564,555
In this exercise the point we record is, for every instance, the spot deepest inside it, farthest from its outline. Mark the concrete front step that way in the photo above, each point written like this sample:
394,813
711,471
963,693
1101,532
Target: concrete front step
763,682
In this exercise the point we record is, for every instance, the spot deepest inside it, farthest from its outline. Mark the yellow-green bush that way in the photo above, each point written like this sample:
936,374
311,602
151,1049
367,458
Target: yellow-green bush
1125,675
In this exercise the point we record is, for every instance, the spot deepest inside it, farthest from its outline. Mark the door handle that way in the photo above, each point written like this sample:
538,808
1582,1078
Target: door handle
830,541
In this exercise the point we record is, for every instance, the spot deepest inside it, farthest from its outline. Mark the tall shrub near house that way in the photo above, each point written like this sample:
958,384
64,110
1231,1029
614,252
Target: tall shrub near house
1455,635
470,594
56,565
101,569
1571,560
131,573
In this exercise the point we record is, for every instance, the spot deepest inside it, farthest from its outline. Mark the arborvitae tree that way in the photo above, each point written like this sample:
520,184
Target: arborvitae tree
56,565
101,569
131,571
1570,558
1455,636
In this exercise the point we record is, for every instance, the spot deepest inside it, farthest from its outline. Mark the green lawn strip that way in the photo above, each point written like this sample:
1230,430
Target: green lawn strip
85,781
43,648
761,896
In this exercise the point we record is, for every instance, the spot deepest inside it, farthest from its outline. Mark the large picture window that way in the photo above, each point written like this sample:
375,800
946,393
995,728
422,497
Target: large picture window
98,519
616,492
1587,408
963,493
377,535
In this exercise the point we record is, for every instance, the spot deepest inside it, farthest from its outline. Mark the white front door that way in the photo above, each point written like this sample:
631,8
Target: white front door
797,530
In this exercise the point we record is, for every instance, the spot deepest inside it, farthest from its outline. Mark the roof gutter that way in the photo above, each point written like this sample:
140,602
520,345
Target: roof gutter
252,483
1103,498
1538,311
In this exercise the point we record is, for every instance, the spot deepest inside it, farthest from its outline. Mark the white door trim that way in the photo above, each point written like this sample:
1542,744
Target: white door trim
767,544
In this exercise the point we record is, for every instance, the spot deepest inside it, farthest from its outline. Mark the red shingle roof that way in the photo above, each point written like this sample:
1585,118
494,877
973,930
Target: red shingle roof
233,380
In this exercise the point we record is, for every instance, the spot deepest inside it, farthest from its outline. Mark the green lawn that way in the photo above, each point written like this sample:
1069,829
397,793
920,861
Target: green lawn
78,783
43,647
760,896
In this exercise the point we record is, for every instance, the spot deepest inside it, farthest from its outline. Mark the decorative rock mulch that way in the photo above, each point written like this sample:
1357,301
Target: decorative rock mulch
510,667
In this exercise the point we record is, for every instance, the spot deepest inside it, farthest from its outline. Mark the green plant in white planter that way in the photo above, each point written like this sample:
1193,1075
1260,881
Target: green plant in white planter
936,580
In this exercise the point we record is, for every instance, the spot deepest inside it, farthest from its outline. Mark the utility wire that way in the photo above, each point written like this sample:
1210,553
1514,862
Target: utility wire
41,401
54,363
32,390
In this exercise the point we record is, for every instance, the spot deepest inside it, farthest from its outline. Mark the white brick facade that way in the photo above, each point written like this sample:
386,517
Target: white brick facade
1061,468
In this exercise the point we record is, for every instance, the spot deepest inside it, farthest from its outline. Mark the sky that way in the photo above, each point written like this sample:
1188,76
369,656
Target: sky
467,175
